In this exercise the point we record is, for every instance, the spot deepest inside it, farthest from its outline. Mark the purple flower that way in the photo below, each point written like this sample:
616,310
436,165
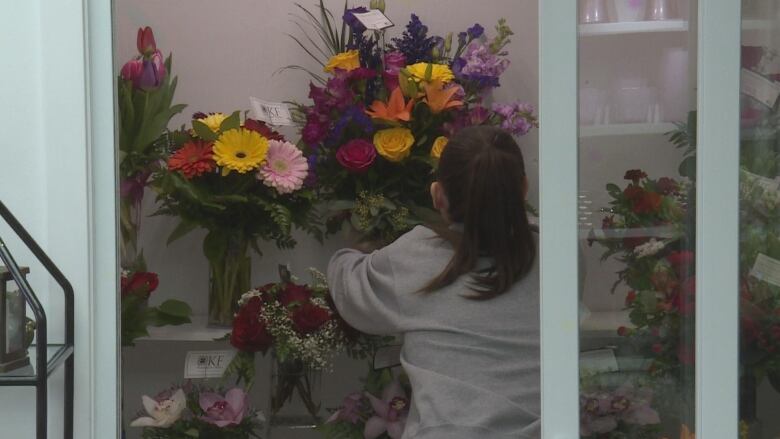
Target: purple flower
316,128
475,31
479,65
354,118
389,413
354,24
517,118
394,62
415,43
132,188
350,409
226,411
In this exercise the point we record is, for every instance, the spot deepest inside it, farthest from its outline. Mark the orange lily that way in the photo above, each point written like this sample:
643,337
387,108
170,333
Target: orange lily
439,98
395,109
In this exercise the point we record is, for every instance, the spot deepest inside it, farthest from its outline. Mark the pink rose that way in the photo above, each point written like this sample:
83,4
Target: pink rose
357,155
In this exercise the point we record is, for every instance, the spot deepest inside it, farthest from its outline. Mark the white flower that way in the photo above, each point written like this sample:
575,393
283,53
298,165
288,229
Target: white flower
649,248
162,414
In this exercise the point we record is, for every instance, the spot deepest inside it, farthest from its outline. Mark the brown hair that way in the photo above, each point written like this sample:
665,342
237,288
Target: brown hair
482,172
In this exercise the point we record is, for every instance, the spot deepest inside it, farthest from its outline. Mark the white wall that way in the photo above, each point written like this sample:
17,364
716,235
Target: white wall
45,182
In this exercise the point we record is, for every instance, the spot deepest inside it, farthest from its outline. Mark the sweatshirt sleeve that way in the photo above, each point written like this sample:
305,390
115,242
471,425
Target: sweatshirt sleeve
363,289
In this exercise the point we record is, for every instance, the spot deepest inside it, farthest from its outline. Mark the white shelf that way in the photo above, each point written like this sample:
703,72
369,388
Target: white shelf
632,27
195,331
605,322
758,24
626,129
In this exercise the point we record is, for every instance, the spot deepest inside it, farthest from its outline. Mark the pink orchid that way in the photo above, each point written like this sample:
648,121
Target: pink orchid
225,411
389,413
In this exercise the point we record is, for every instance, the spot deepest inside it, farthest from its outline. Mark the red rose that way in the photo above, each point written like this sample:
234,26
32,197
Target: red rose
357,155
294,294
634,175
630,297
264,130
250,334
309,318
682,262
140,284
657,348
648,202
667,186
633,192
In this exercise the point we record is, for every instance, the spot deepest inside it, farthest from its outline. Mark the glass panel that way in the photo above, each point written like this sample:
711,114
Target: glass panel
636,218
759,222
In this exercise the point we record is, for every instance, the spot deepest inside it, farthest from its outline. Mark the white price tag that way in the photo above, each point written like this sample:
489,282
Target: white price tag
766,269
374,19
207,364
597,361
760,88
272,113
766,183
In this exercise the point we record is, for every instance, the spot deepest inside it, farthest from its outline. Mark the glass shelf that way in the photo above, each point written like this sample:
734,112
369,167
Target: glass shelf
626,129
26,376
632,27
198,330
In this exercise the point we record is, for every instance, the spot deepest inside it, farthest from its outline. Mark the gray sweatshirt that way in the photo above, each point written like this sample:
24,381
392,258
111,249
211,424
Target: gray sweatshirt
473,365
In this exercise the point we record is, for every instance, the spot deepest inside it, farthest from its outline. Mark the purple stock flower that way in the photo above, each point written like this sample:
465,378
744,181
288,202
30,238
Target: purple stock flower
350,409
479,65
354,24
224,411
517,118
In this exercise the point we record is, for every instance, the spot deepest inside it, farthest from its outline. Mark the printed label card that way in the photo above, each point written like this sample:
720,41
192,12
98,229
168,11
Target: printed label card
207,364
760,88
374,20
272,113
766,269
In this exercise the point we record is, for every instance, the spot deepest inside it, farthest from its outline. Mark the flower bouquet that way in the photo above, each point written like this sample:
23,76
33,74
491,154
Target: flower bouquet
301,324
378,411
189,411
382,114
137,315
145,104
242,182
617,412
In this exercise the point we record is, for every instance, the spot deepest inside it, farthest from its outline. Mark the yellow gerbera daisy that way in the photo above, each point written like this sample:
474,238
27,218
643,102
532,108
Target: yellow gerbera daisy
214,121
439,72
240,150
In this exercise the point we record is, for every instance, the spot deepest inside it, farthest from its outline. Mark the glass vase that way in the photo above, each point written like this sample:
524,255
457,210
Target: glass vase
230,277
131,197
295,393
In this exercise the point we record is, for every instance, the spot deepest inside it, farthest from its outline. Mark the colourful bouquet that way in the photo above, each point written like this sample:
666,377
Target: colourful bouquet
378,411
137,315
382,117
145,104
242,182
304,329
188,411
645,230
609,412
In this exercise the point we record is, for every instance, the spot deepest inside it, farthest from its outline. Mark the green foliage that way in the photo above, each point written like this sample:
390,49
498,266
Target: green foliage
137,316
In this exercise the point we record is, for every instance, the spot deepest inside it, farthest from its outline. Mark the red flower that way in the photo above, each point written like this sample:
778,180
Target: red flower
309,318
633,192
657,348
139,284
648,203
294,294
145,41
193,159
682,263
634,175
264,130
685,299
667,186
250,333
630,297
357,155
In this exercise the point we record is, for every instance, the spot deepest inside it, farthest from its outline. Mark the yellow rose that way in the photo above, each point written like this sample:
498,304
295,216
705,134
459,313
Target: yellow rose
394,144
438,146
439,72
349,60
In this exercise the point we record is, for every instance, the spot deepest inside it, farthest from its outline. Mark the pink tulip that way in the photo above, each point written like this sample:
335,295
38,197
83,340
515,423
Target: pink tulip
132,70
145,41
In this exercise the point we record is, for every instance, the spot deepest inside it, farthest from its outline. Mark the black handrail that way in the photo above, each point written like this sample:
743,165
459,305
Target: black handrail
41,359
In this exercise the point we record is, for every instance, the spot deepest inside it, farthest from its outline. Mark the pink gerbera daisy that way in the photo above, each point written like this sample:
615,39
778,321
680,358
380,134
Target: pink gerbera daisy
285,167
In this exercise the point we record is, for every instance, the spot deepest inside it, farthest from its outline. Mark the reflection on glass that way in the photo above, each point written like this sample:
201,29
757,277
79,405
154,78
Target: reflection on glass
759,223
637,248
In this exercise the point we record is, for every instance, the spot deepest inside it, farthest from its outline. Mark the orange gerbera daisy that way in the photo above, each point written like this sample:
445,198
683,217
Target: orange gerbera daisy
193,159
440,98
394,110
